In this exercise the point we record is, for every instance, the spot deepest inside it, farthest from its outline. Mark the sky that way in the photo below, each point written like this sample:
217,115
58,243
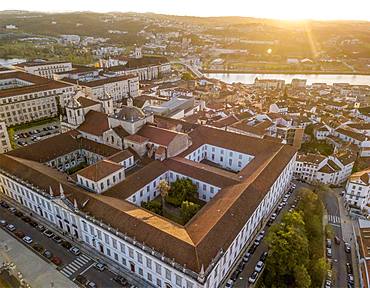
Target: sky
278,9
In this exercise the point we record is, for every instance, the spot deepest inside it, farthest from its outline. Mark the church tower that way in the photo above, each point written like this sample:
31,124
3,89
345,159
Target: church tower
74,110
107,103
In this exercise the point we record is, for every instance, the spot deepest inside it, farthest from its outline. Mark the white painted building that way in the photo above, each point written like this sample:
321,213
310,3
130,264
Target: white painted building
44,69
357,190
5,145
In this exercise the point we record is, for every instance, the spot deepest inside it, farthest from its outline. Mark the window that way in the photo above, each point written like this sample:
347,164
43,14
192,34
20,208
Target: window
150,277
123,260
149,263
106,238
115,256
122,246
114,243
168,274
131,252
99,234
139,257
159,283
178,280
158,268
108,251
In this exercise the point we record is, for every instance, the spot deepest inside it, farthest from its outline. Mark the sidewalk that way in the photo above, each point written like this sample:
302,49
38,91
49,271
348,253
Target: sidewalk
348,235
36,272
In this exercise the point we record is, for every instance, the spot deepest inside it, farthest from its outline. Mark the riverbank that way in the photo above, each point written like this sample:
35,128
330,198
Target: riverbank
209,71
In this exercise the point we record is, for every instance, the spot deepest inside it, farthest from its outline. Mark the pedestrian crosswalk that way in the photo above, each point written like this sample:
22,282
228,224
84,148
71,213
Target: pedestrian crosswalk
334,219
74,266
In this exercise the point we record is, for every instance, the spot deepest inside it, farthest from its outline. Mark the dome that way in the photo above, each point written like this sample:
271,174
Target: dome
130,114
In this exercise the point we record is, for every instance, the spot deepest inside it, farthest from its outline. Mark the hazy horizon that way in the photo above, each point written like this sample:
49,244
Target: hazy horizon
284,9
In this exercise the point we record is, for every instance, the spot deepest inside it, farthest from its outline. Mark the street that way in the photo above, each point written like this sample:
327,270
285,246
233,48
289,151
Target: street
71,265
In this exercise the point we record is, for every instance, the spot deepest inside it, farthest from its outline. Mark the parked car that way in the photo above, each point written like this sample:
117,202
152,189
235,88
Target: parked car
4,204
328,243
229,283
252,249
27,239
259,266
263,256
246,257
349,268
350,279
10,227
33,224
241,266
121,280
26,219
252,279
328,252
99,266
38,247
76,251
18,213
49,233
47,254
347,247
41,228
327,283
57,239
91,284
234,276
12,209
66,245
81,279
3,222
19,234
56,260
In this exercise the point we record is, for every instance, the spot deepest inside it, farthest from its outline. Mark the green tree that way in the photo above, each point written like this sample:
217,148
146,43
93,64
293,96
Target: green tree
288,252
153,206
188,210
181,190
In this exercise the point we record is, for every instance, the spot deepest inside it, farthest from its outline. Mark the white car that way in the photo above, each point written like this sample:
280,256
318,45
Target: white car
75,250
27,239
259,266
246,257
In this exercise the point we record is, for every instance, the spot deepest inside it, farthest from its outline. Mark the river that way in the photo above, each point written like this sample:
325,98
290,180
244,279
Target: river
311,78
10,62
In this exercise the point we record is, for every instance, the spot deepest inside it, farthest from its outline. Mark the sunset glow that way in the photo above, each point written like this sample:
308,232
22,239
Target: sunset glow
284,9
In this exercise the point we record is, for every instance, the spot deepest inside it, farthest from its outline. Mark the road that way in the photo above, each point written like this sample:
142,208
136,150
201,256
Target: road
242,280
71,265
340,257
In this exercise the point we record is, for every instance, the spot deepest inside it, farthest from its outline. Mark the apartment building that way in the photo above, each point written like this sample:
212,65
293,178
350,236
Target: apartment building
357,191
318,168
44,69
241,177
25,97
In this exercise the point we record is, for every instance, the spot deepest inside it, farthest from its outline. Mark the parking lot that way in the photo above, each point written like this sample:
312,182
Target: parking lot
57,251
28,136
252,264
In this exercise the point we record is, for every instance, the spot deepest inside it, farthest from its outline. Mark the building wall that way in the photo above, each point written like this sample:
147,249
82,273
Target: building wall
48,70
103,184
5,145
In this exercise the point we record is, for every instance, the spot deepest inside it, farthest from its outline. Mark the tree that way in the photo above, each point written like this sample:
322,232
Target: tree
288,252
153,206
181,190
164,189
188,210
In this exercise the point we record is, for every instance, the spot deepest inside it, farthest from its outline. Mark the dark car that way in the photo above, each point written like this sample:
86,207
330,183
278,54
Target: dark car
81,279
241,266
33,224
26,219
349,268
121,280
66,245
252,249
263,256
347,247
4,204
234,276
38,247
18,213
57,239
41,228
19,234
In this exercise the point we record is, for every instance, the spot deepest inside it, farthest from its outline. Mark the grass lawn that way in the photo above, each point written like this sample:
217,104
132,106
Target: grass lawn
317,146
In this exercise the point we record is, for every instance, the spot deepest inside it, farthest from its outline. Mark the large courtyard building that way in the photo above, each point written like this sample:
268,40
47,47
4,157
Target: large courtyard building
44,68
239,178
25,97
